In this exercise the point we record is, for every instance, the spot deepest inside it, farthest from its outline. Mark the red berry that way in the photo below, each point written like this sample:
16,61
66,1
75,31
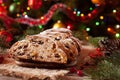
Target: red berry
98,49
80,73
73,70
1,59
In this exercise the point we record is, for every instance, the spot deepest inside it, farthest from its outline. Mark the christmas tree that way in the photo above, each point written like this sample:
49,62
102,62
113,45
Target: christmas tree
93,17
86,18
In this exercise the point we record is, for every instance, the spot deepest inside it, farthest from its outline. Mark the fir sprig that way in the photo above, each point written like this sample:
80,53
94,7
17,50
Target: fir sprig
108,68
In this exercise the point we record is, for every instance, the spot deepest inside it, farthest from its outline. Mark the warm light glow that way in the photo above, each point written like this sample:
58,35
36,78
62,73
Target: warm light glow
109,29
101,17
28,8
26,16
42,17
89,15
74,12
114,11
59,24
87,38
58,21
117,26
18,15
82,15
68,27
3,4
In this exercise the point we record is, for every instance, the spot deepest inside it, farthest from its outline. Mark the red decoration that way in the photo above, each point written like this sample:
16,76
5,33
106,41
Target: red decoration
3,10
64,9
7,35
73,70
96,53
80,73
35,4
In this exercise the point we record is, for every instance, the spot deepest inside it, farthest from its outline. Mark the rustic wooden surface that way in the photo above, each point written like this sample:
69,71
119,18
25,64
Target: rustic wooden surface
10,71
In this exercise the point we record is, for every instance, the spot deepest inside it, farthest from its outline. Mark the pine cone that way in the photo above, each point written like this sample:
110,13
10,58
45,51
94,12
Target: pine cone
109,45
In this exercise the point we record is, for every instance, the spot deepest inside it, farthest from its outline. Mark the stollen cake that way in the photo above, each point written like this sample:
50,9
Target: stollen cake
52,46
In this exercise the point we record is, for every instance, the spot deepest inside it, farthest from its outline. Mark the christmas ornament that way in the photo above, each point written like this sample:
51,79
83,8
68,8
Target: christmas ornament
1,1
3,10
98,1
80,73
14,8
8,36
45,18
59,24
73,70
35,4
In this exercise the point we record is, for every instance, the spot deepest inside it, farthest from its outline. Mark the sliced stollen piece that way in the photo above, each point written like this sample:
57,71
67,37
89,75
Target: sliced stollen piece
40,49
69,47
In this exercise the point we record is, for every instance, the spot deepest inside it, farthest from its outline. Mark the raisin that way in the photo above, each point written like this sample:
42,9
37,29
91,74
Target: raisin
40,42
66,46
41,57
54,46
20,53
25,46
19,47
58,38
71,54
57,55
29,57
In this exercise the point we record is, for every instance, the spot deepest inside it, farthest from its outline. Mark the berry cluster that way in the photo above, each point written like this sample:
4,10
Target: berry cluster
74,70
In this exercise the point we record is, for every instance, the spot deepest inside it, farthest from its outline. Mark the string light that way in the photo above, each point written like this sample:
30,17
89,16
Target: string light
114,11
78,13
117,35
109,29
117,26
74,12
101,17
89,15
42,17
26,16
28,8
18,15
97,23
68,27
82,15
90,8
40,26
87,29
